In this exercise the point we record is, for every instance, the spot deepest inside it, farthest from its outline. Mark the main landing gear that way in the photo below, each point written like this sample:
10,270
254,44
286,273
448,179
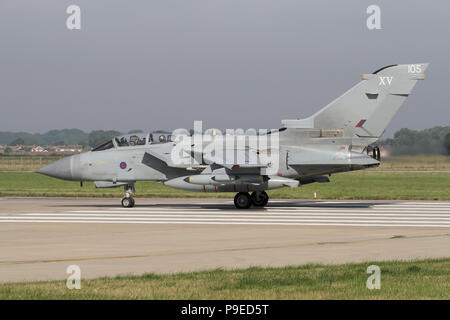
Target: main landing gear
243,200
128,201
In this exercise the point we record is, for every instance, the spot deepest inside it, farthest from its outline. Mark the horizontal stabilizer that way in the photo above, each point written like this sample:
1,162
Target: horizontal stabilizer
330,159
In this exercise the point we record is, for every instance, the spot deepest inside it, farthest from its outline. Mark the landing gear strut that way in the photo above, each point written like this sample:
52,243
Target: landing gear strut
243,200
128,201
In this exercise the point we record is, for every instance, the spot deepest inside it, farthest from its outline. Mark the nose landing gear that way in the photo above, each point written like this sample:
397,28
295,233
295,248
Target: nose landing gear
128,201
243,200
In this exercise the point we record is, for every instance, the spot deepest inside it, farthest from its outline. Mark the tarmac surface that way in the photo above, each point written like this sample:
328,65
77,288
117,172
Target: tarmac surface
41,237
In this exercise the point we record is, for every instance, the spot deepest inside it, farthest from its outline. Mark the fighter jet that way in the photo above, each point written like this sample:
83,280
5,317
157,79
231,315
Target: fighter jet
338,138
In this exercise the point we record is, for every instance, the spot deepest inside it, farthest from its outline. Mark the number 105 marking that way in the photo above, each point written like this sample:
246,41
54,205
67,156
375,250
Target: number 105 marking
414,68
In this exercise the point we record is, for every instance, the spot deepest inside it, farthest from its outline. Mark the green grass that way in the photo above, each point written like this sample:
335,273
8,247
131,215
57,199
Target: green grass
415,163
26,162
427,279
352,185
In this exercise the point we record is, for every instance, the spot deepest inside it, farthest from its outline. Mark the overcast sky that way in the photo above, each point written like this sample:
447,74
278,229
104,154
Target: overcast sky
161,64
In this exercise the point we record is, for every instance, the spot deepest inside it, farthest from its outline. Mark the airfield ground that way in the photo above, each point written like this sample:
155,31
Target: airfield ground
40,237
426,279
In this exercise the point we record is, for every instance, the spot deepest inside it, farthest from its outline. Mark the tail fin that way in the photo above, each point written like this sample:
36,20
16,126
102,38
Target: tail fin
365,110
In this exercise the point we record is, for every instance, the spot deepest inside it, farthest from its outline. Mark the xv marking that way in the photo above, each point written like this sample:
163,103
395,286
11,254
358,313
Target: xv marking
385,81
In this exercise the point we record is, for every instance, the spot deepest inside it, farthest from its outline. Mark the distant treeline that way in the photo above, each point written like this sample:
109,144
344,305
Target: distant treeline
59,137
435,140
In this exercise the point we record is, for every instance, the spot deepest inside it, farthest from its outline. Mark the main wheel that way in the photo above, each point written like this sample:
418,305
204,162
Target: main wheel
128,202
242,200
260,199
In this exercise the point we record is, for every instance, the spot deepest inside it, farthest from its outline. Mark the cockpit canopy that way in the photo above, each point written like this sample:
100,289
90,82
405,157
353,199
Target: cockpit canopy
135,139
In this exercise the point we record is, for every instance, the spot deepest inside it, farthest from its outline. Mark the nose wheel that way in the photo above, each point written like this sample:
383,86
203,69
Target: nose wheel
128,201
243,200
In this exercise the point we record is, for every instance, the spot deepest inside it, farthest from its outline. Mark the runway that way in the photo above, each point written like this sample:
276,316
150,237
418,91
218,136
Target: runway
323,213
40,237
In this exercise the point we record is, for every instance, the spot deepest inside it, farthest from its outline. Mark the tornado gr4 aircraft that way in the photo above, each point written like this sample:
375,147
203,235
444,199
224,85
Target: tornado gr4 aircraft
340,137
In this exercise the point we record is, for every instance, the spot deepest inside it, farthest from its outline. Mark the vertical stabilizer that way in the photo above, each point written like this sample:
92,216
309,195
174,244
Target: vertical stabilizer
365,110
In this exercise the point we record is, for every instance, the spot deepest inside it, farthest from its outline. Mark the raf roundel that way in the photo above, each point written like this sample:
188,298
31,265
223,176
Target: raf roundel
123,165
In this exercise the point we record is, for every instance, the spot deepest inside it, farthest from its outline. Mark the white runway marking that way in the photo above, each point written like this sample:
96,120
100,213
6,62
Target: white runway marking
175,214
402,214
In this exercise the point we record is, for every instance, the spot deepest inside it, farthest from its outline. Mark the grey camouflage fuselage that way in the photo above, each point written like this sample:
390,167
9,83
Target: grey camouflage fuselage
338,138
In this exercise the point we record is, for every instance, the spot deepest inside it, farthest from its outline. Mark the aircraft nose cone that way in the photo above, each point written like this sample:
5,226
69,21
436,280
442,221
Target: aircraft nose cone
61,169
